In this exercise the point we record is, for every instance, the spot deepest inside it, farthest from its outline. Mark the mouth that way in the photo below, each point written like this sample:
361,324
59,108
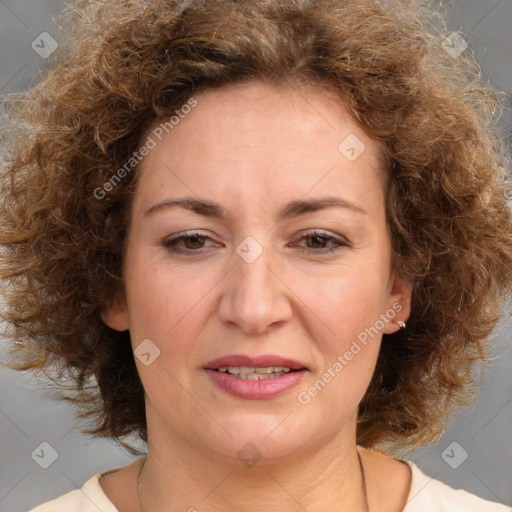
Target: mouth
256,373
244,366
254,378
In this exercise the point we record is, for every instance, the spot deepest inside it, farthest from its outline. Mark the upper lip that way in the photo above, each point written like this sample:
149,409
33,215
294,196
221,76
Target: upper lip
254,362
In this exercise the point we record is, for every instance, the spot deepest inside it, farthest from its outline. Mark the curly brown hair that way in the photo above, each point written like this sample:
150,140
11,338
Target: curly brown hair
127,63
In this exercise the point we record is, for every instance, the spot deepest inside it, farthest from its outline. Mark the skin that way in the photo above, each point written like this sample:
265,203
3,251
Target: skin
252,148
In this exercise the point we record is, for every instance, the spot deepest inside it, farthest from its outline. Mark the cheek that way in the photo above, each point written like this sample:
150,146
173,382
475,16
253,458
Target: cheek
164,307
343,322
160,301
348,345
347,300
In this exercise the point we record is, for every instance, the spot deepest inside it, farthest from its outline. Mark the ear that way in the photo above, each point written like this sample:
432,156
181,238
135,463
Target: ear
115,315
399,303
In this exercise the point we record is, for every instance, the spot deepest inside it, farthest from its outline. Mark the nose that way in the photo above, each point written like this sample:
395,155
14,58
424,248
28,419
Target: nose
256,296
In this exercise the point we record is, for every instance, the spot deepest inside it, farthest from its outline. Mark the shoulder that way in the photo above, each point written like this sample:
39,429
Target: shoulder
430,495
90,498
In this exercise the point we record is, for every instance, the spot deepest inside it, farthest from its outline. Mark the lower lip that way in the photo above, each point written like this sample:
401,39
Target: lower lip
256,389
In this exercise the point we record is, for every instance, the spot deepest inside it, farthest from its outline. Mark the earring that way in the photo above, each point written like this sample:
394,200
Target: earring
400,324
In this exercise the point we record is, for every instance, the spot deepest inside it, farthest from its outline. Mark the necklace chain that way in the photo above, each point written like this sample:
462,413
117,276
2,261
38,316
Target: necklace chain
365,490
138,485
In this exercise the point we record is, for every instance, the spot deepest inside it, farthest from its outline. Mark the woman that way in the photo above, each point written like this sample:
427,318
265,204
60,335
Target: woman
303,194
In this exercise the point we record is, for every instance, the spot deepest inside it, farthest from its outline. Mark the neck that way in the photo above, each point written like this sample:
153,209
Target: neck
327,477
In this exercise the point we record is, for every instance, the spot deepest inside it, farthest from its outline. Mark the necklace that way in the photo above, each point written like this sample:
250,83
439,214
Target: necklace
138,485
365,490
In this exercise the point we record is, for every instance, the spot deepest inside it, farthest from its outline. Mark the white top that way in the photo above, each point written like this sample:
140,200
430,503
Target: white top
426,495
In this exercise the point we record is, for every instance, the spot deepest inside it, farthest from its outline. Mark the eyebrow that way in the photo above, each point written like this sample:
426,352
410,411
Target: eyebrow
289,210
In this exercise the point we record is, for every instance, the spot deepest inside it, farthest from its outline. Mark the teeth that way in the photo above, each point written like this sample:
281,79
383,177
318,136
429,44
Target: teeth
259,376
232,369
248,373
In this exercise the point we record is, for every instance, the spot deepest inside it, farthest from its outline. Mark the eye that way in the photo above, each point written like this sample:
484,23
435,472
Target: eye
320,239
192,240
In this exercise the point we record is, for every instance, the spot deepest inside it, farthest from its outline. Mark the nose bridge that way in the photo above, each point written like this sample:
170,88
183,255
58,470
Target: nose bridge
256,297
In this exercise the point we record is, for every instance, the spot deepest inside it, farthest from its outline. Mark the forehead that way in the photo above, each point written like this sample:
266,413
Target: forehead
261,138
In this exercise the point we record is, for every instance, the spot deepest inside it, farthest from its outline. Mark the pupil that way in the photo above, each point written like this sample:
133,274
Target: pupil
316,239
191,238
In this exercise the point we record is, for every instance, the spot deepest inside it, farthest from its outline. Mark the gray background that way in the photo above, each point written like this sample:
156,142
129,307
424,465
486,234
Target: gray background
30,415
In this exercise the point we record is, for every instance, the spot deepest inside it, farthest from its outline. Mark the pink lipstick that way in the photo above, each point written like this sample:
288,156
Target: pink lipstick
255,378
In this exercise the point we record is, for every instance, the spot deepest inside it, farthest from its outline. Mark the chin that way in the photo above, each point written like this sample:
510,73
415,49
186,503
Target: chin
265,437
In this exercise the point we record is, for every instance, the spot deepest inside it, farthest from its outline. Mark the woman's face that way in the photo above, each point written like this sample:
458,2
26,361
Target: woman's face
265,278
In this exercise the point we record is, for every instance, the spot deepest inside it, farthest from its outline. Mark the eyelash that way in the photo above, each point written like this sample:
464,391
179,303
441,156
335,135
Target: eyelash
339,243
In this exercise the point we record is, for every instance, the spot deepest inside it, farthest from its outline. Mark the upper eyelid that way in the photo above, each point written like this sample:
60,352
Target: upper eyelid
309,231
323,233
